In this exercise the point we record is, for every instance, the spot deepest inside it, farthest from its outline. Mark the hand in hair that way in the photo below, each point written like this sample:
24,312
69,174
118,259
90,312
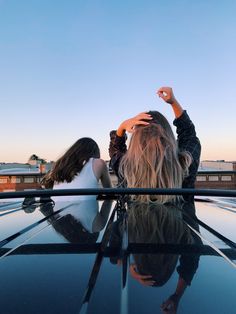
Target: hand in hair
166,93
129,124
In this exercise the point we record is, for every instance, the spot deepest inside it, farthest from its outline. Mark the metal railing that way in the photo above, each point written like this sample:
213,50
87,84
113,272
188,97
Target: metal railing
114,192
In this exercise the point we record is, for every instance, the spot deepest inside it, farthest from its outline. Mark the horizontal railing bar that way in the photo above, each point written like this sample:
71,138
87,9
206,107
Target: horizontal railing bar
118,191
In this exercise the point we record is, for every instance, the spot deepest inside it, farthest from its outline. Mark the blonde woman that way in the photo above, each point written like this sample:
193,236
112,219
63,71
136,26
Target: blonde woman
155,159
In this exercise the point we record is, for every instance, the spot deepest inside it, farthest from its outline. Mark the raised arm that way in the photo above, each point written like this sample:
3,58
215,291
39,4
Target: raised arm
187,138
166,93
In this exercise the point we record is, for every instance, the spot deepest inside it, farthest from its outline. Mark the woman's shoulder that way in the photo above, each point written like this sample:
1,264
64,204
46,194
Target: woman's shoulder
99,161
99,167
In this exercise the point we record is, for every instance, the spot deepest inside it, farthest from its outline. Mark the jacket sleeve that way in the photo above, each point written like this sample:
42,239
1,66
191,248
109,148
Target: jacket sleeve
188,267
117,149
188,141
188,263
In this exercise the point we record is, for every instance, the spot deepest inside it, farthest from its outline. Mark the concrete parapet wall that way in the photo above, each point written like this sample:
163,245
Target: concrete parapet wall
216,180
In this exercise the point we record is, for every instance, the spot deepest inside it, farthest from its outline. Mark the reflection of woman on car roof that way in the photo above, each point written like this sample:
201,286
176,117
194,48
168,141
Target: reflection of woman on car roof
162,224
79,222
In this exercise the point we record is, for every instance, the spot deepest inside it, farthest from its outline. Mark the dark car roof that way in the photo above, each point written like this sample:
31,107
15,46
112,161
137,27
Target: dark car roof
110,257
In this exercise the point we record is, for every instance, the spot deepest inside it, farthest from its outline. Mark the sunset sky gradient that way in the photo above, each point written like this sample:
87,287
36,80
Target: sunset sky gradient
77,68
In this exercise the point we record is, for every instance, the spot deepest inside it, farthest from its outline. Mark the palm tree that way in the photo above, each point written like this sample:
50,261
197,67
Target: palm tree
33,157
36,159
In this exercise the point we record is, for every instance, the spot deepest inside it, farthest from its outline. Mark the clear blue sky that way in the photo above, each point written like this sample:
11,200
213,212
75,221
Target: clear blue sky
73,68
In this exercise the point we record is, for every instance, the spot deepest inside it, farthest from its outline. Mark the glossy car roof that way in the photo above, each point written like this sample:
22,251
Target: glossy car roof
90,256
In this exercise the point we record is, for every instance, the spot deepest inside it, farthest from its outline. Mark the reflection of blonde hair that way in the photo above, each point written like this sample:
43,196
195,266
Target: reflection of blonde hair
157,224
153,160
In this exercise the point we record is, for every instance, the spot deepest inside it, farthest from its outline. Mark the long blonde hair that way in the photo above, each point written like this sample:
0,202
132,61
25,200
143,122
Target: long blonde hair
153,160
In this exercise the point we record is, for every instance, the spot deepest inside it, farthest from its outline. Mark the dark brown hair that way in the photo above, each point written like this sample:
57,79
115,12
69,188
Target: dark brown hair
72,162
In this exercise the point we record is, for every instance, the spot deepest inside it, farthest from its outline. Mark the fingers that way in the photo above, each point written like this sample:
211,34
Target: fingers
168,307
133,271
130,124
162,94
166,89
143,116
145,280
136,275
138,120
166,93
141,122
131,127
167,304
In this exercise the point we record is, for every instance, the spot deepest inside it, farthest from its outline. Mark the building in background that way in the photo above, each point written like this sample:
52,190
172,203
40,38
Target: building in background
23,177
207,165
216,174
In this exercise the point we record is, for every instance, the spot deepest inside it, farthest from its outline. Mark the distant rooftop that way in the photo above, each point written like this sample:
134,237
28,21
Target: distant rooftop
211,165
20,170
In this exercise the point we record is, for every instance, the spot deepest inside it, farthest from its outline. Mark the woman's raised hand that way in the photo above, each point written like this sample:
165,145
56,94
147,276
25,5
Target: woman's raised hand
166,93
129,124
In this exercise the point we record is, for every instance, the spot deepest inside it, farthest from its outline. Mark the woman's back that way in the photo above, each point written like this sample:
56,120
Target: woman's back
85,179
155,159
